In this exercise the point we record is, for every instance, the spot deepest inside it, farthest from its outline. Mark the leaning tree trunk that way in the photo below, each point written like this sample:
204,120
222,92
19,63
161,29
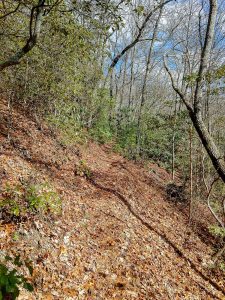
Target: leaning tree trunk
208,143
36,16
195,112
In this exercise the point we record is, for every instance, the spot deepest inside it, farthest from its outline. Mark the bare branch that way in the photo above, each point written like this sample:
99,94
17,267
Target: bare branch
137,38
57,2
205,55
199,26
11,12
175,87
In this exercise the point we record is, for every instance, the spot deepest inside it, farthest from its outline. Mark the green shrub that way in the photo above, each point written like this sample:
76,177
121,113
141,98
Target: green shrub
101,133
12,201
217,231
83,170
11,279
43,198
76,122
218,258
68,123
21,200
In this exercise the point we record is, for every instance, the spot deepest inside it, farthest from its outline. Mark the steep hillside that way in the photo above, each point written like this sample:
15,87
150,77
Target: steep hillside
118,237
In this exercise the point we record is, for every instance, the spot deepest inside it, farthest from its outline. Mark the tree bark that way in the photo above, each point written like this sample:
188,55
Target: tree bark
35,28
130,102
205,54
191,173
173,140
196,112
139,34
208,143
143,90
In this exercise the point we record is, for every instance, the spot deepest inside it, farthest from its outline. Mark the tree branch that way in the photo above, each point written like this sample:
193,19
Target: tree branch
11,12
137,38
34,30
175,87
205,54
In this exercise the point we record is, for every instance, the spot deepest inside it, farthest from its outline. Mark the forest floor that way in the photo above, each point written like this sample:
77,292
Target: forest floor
118,236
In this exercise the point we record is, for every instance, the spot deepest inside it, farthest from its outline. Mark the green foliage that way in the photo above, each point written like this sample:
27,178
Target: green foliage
13,200
62,69
139,9
156,137
77,123
11,279
217,231
83,170
191,78
100,128
67,121
125,140
221,266
220,72
20,200
43,198
101,132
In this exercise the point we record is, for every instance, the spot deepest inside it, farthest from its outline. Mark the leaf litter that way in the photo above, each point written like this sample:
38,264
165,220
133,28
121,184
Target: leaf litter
117,237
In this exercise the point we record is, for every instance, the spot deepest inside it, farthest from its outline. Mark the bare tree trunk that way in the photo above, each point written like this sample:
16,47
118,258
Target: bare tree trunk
173,141
191,173
195,112
208,143
131,79
124,82
205,55
143,90
119,115
10,115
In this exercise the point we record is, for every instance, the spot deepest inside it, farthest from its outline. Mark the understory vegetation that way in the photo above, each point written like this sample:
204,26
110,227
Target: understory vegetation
123,73
20,201
11,279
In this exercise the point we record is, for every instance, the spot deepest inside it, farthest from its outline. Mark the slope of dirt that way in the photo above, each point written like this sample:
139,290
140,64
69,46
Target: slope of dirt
117,238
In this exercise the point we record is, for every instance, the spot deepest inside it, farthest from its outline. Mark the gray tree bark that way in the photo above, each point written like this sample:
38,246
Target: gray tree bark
139,34
35,29
195,112
143,90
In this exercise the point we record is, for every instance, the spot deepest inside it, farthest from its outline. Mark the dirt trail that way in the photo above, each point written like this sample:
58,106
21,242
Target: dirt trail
118,236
